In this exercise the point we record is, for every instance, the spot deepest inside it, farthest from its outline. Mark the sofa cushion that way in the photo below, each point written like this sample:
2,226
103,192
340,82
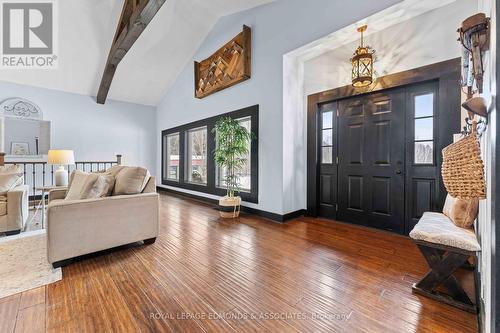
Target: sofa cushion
462,212
437,228
8,181
131,180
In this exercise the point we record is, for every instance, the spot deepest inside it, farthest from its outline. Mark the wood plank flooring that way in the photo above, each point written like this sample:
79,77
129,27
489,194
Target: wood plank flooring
205,274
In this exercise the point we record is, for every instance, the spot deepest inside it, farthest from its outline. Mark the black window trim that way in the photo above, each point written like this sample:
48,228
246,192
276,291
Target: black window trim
211,187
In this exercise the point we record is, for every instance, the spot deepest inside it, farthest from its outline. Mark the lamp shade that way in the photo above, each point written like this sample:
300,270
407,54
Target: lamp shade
61,157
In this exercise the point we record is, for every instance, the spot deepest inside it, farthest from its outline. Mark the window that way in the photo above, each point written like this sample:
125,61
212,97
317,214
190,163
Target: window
245,173
197,155
327,137
424,129
171,145
188,162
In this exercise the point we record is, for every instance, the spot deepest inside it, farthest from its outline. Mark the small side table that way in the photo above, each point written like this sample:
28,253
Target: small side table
45,190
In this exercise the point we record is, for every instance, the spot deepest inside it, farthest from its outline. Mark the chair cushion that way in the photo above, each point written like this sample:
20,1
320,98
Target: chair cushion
131,180
439,229
8,181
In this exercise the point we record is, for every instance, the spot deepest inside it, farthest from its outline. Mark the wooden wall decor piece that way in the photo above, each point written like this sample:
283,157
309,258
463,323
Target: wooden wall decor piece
229,65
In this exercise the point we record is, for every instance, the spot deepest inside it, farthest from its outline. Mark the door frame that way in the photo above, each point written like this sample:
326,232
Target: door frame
446,73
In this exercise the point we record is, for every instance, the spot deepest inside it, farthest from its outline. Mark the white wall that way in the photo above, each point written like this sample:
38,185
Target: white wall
277,28
95,132
484,224
420,41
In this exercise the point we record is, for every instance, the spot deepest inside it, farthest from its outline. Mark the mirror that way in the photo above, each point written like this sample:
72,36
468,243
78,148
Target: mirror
26,137
25,133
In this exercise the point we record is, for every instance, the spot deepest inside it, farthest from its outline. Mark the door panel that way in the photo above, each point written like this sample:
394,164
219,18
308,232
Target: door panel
371,160
327,141
423,170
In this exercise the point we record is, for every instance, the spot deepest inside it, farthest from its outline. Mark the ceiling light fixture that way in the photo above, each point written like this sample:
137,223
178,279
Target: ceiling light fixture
362,63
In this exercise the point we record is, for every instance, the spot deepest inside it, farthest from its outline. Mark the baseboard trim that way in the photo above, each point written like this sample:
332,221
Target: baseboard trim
254,211
479,302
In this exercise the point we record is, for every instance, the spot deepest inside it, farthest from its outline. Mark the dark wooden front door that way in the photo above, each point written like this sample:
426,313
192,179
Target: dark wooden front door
382,167
371,136
379,164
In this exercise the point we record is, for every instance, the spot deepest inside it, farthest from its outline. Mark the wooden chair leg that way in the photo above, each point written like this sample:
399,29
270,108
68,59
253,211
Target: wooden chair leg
443,265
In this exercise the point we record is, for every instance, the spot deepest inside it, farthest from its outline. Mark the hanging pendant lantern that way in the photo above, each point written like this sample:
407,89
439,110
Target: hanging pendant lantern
362,63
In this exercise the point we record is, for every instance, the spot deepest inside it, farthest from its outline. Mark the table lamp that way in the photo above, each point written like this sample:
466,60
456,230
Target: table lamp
61,158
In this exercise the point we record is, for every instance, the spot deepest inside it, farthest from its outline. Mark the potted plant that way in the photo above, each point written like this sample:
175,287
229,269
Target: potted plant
232,145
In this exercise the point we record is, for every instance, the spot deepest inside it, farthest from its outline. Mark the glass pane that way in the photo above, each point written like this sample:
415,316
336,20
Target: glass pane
424,129
197,156
424,152
424,105
327,119
172,157
327,155
327,138
245,176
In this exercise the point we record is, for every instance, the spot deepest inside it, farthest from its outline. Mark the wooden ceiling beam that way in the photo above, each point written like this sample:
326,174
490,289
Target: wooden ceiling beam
135,17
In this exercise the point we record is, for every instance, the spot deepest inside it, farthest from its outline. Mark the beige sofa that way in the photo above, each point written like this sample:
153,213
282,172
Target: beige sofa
14,210
78,227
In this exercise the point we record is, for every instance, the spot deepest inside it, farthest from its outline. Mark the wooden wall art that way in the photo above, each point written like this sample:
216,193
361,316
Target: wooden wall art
229,65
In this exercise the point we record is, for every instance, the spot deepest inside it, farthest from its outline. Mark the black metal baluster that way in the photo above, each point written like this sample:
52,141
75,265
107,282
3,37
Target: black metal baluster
34,178
43,174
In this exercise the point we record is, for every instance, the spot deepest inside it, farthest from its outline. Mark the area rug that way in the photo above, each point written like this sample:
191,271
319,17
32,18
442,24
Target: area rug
23,263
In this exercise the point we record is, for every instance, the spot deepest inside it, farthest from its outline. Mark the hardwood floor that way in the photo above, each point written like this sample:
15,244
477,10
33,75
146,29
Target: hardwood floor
309,275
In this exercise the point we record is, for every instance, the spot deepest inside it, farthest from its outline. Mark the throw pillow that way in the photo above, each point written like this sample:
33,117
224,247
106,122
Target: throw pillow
88,185
114,170
81,185
131,180
13,169
448,204
103,187
462,212
8,181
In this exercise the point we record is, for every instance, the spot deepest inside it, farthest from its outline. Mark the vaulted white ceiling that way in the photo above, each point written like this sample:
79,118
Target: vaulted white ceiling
86,29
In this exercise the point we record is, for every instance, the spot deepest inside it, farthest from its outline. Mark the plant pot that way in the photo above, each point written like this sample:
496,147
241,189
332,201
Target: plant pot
229,207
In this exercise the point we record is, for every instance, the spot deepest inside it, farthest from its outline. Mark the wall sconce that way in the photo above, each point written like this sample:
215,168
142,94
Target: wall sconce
476,106
362,63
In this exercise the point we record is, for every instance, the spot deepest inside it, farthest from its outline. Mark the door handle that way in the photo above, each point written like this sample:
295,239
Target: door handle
398,169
